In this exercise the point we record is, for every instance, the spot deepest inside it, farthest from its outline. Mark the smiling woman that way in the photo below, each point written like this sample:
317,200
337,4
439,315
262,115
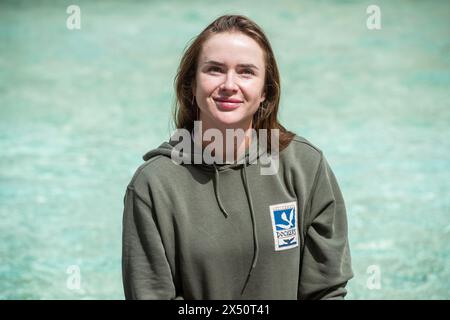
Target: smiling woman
225,231
229,77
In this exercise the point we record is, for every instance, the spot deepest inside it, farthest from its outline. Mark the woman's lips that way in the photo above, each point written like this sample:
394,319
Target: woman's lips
228,104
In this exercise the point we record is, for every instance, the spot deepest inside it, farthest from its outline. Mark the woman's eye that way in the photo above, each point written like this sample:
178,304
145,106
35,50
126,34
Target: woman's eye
248,71
216,69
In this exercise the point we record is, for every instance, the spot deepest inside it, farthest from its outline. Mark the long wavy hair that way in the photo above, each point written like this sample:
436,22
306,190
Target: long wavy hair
186,109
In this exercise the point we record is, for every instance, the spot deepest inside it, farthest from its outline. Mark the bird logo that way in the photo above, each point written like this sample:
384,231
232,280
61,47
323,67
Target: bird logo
290,221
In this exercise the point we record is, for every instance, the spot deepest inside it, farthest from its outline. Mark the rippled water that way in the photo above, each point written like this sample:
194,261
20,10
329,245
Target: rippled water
79,108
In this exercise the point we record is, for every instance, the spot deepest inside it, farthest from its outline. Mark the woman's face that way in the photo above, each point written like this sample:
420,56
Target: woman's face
229,81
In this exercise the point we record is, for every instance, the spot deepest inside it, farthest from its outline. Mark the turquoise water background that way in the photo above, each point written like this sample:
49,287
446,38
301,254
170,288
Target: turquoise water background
78,109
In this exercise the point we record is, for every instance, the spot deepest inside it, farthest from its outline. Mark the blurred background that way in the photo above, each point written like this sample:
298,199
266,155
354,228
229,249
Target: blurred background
79,108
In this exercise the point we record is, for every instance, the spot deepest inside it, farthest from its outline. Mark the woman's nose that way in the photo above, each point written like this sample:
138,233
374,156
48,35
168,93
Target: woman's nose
229,82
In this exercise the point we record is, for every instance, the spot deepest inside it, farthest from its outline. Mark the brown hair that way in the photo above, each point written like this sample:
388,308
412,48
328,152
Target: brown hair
185,112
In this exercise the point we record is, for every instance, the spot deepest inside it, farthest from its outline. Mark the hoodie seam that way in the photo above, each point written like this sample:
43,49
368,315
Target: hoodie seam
311,193
306,223
132,189
307,215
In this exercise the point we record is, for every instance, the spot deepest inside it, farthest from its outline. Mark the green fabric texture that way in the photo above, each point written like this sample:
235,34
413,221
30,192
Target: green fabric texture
199,231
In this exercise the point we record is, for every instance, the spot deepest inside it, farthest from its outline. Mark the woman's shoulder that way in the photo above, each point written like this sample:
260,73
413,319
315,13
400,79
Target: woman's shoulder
301,148
302,157
157,168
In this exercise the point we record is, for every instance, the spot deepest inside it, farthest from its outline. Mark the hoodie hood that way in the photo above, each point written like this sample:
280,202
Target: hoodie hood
196,153
248,158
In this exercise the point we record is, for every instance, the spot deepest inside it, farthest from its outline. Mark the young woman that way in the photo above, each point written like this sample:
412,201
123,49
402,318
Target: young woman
221,229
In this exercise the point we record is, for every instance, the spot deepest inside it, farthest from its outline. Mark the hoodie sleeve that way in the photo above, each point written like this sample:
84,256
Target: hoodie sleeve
146,272
326,264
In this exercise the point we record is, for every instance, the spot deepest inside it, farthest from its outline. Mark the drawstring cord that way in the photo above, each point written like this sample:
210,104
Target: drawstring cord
252,214
255,235
216,189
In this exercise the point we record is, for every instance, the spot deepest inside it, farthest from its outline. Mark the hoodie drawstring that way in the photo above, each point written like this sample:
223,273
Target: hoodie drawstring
216,191
252,214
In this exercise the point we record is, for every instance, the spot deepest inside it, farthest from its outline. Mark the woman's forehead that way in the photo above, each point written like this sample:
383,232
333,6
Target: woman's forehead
232,48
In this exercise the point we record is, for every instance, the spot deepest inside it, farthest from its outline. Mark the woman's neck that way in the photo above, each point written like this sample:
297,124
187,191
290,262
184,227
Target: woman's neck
230,146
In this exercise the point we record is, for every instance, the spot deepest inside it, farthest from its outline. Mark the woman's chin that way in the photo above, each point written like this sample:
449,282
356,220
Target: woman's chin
233,119
230,120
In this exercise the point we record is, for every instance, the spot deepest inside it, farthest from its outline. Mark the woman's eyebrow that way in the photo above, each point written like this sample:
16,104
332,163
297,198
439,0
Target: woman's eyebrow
245,65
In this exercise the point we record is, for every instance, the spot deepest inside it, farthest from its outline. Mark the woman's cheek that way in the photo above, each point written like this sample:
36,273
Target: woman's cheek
249,92
209,86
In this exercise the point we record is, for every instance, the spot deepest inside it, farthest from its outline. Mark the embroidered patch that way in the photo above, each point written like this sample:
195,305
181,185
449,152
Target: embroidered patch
284,225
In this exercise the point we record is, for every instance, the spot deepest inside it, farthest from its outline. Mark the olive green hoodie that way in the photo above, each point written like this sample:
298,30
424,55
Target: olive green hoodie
199,231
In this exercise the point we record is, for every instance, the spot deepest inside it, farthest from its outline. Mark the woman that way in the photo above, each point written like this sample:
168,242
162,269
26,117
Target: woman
220,229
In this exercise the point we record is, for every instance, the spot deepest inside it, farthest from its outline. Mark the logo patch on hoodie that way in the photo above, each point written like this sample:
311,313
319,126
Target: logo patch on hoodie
284,225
